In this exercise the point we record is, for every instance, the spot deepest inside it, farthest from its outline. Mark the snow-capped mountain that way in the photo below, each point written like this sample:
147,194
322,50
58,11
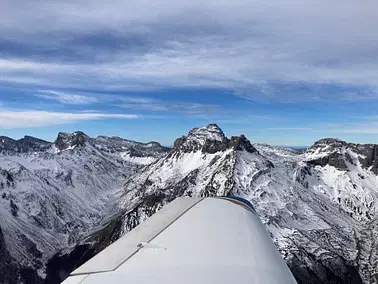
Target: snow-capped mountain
52,192
320,206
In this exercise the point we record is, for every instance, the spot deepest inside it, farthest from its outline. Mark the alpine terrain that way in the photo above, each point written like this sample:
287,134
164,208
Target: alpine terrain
52,192
319,206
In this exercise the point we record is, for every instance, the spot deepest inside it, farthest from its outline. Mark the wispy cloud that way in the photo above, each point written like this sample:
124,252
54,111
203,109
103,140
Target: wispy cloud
24,119
66,98
187,108
144,106
85,98
134,99
132,102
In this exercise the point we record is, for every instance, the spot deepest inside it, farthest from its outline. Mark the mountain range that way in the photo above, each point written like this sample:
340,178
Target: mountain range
53,192
65,201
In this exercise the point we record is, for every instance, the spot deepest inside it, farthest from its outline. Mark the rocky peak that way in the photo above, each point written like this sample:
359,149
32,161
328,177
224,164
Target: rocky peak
335,152
211,139
328,143
70,140
326,146
208,132
208,139
327,151
241,143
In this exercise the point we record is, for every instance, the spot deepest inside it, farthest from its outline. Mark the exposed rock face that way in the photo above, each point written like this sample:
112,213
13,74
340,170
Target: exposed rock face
240,143
69,141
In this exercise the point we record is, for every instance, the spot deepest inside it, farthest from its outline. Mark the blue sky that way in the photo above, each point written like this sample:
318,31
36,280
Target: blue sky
283,73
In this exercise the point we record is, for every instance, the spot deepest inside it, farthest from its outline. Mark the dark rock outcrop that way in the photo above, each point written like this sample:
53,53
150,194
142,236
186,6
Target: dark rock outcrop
9,271
369,156
319,273
68,140
334,159
241,143
23,145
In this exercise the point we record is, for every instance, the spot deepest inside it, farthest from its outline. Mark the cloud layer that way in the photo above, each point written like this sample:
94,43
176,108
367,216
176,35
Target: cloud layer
250,47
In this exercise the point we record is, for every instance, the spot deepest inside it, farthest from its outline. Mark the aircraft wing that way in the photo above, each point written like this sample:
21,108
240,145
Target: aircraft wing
191,240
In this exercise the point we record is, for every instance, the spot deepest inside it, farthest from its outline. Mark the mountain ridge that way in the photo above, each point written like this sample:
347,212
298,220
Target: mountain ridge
319,205
76,138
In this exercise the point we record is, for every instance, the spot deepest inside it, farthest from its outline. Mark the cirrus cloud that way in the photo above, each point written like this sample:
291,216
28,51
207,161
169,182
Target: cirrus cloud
66,98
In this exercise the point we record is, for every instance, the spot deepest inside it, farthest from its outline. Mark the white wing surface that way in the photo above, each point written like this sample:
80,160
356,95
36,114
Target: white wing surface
211,240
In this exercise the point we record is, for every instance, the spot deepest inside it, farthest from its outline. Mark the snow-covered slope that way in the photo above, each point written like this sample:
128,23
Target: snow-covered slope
319,206
50,193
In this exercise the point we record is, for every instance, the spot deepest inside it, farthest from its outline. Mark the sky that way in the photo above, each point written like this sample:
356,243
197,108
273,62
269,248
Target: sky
281,72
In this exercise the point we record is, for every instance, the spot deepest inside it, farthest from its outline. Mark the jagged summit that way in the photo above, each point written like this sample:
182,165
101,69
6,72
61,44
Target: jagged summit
66,141
211,139
208,139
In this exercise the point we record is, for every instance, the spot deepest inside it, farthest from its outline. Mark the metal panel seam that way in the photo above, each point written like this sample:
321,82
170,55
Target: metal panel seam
162,230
